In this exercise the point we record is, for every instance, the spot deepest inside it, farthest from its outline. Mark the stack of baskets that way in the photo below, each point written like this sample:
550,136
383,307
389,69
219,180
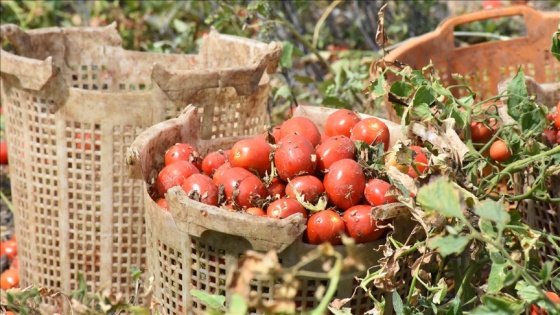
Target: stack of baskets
74,101
484,66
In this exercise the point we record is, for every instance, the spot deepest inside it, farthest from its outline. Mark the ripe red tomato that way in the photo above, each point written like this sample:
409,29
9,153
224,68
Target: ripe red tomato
491,4
183,152
162,203
371,131
212,161
308,186
285,207
551,116
480,133
420,161
558,137
220,172
535,310
252,154
334,149
341,122
8,248
9,279
242,187
499,151
375,192
294,156
549,136
360,225
277,188
301,126
174,175
256,211
201,188
324,226
557,122
345,183
3,153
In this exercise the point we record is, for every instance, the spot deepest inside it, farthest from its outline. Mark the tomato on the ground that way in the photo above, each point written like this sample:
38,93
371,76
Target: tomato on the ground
294,156
375,192
345,183
285,207
341,122
334,149
371,131
360,225
324,226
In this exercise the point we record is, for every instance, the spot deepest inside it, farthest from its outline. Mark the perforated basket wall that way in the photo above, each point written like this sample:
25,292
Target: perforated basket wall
195,246
74,101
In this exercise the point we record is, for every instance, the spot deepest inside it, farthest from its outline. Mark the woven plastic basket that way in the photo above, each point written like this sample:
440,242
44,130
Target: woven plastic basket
74,101
486,64
194,246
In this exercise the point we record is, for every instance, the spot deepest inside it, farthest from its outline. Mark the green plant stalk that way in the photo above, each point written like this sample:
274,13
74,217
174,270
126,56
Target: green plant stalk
334,275
7,202
526,276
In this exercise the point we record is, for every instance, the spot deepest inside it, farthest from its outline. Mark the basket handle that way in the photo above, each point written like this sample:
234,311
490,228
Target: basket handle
532,17
32,74
182,85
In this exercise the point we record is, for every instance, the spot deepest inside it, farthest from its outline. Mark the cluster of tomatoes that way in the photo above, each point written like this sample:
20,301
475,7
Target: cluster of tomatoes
10,277
294,169
552,133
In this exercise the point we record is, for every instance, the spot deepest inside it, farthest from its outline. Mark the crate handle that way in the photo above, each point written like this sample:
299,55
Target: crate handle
32,73
182,85
531,16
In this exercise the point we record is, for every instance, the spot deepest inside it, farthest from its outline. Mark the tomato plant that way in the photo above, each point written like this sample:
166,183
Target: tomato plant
341,122
324,226
294,156
360,225
371,131
345,183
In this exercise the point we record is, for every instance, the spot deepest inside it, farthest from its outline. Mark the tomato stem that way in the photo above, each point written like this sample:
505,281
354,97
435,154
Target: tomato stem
7,201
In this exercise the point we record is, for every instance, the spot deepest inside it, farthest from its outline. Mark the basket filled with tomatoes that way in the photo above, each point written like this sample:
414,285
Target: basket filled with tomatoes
321,174
74,99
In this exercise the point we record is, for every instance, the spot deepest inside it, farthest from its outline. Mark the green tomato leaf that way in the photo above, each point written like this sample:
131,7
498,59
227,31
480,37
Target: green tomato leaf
418,79
450,244
398,306
487,228
441,90
441,291
546,271
424,95
237,305
287,51
495,212
498,305
440,197
211,300
401,89
497,276
533,121
529,294
421,111
377,87
517,90
555,49
180,26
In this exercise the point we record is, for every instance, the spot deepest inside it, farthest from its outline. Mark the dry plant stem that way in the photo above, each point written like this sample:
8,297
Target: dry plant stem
334,275
322,19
